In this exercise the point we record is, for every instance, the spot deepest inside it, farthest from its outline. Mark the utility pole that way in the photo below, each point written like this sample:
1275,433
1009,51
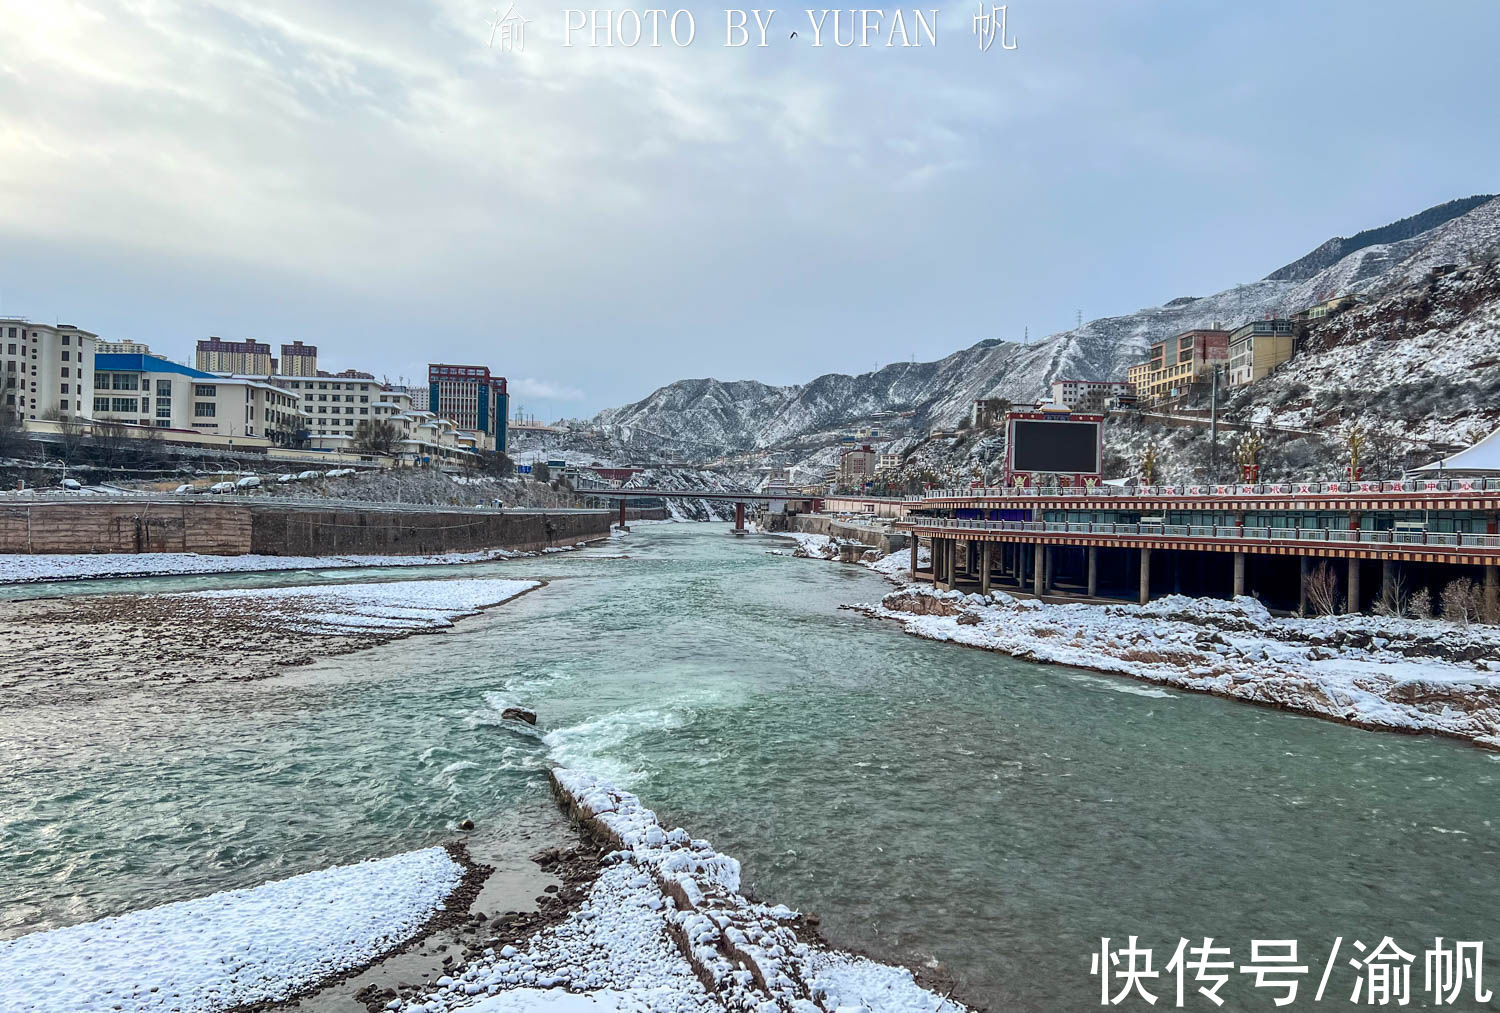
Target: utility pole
1213,426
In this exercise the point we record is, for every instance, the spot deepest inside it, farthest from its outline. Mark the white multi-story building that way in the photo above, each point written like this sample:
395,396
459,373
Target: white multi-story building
1088,395
122,347
46,371
147,390
333,406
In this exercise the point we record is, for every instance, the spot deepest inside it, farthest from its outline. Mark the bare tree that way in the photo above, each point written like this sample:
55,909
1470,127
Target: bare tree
1420,603
375,436
1394,597
1323,591
1460,601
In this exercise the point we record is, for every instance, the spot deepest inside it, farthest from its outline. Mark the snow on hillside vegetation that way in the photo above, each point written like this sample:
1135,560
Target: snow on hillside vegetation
1421,364
713,417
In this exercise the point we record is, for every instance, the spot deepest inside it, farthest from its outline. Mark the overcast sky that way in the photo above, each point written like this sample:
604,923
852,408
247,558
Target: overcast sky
382,181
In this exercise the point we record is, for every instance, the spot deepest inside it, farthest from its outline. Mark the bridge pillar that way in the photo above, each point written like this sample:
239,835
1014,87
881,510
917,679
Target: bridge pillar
985,549
915,541
1145,576
943,559
739,518
1039,569
622,514
1304,570
1239,574
1093,567
1352,605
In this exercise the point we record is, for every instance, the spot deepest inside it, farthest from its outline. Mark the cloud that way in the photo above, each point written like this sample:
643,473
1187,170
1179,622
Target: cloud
528,386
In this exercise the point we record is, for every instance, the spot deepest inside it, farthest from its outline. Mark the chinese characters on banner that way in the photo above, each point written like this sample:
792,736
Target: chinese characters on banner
1382,974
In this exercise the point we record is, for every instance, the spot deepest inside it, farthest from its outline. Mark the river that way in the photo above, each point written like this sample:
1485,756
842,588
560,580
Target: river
932,803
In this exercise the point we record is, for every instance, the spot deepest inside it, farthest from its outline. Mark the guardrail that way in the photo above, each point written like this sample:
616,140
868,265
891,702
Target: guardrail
51,497
1462,539
1371,488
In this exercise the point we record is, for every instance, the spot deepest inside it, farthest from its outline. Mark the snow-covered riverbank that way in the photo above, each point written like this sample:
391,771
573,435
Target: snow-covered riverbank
231,948
32,569
1379,673
665,929
662,928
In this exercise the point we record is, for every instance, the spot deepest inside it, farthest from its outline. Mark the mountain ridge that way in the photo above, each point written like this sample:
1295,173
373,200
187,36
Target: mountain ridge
712,418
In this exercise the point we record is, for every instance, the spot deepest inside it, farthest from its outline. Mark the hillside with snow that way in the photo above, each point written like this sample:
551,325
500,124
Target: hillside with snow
711,418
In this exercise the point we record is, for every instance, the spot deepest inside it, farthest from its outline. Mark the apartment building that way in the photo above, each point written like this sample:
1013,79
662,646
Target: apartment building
1089,395
472,398
122,347
1257,348
857,465
45,370
1173,365
334,405
147,390
246,358
298,359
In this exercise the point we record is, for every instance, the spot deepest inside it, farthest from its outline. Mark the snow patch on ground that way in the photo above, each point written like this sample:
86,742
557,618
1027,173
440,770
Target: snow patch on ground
230,948
29,569
1382,673
665,929
393,606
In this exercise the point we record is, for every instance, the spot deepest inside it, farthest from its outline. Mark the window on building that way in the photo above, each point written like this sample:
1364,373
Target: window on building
204,409
101,381
65,372
101,404
65,356
67,339
163,388
163,411
123,405
123,381
205,390
64,388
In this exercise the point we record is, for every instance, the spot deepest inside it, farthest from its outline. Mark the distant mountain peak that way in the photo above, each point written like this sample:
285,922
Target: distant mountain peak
1340,247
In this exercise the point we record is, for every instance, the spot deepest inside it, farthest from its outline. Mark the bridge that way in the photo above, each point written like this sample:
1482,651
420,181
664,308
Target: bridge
738,497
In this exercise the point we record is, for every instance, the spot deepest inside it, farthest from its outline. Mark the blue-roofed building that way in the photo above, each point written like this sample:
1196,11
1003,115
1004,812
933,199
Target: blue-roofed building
148,390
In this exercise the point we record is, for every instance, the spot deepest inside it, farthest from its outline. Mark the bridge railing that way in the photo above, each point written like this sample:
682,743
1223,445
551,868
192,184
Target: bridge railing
1347,488
1219,533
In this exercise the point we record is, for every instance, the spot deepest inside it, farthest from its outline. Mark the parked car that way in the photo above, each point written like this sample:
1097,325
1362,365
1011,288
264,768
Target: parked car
185,487
248,482
219,487
340,472
286,478
71,484
305,475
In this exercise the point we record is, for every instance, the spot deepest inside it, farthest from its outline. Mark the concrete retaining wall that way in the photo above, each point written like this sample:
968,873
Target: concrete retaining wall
819,524
232,529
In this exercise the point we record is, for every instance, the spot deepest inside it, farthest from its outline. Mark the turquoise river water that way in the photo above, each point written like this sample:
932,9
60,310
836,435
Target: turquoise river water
931,803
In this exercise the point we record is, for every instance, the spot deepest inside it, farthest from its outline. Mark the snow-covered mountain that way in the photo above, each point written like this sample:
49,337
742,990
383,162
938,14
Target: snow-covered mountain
711,417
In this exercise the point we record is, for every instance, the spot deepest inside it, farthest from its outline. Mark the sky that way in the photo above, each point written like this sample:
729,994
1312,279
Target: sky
391,182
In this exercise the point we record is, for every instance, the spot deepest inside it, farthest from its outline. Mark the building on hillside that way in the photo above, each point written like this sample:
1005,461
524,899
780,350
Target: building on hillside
888,462
298,359
122,347
472,398
858,465
1326,308
1257,348
1175,364
1088,395
989,412
147,390
248,358
46,370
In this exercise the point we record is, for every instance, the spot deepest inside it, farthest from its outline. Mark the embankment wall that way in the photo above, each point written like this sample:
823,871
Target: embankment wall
820,524
236,528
